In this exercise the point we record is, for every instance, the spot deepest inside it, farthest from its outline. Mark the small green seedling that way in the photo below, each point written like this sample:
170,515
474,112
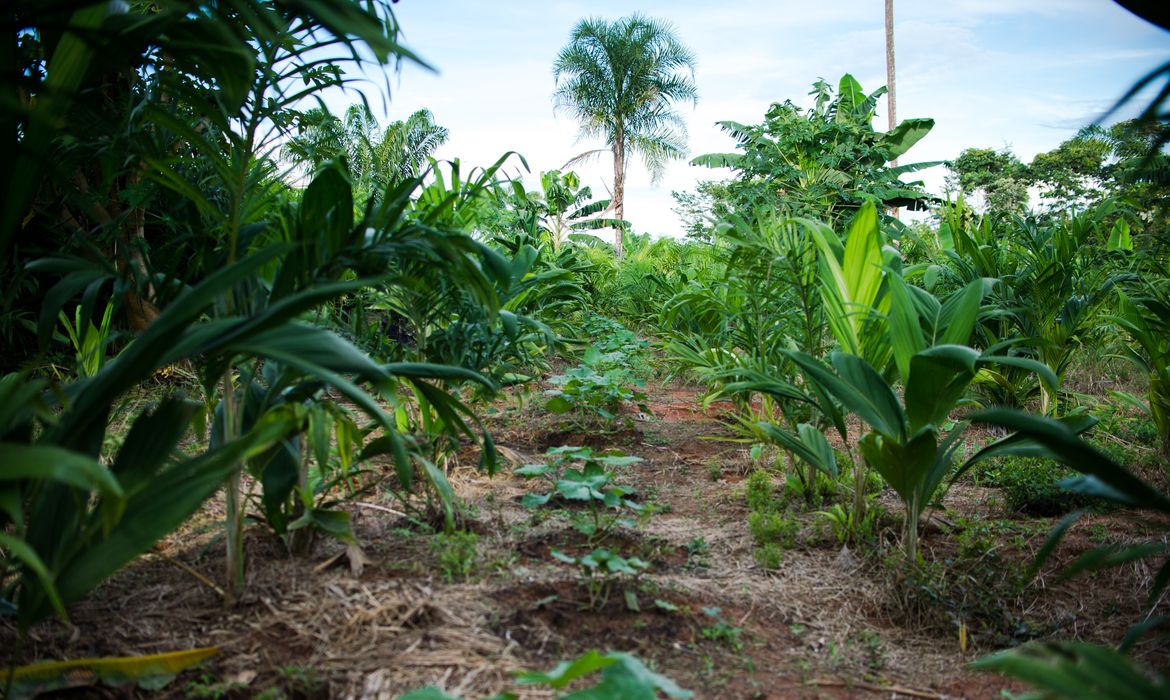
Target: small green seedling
601,570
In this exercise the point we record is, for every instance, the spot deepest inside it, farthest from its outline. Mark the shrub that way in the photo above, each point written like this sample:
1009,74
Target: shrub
1031,486
772,527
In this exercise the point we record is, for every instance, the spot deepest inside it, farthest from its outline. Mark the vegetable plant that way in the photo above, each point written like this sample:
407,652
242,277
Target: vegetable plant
602,570
590,486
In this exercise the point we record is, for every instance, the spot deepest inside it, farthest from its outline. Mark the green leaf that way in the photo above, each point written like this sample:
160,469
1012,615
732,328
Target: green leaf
568,671
960,312
558,404
1062,444
20,462
938,379
719,160
428,693
1077,671
25,554
903,136
905,328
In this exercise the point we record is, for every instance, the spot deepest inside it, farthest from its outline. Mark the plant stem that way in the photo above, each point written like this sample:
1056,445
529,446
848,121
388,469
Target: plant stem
234,519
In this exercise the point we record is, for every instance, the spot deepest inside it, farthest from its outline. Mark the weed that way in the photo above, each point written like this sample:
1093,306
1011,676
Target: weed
773,527
698,554
458,554
208,686
847,527
720,631
758,491
302,681
714,469
1031,486
769,556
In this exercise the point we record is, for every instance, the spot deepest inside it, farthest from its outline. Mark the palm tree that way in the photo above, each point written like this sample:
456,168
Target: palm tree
406,146
621,81
375,160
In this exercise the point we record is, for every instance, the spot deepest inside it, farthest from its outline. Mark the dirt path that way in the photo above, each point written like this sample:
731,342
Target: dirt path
823,625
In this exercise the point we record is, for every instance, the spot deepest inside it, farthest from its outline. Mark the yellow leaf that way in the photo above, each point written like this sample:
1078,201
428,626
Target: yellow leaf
152,672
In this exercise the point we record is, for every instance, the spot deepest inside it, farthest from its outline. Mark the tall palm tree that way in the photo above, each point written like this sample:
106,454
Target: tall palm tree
621,80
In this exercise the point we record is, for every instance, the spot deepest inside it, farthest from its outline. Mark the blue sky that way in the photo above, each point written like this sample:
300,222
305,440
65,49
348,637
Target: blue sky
992,73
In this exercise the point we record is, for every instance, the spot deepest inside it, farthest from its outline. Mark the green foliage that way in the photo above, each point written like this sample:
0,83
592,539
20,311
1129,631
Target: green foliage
601,571
721,631
998,175
1102,478
850,526
827,161
591,487
1077,671
1145,317
758,490
606,380
458,554
772,526
583,389
1031,486
89,341
769,555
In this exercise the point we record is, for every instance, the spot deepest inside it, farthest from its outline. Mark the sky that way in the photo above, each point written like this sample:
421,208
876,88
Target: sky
1019,74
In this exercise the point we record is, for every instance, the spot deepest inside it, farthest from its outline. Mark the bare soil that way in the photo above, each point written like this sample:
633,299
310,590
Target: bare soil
826,624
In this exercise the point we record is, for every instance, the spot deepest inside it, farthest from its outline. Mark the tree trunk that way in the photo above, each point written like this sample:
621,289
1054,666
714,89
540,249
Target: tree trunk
891,95
891,85
619,188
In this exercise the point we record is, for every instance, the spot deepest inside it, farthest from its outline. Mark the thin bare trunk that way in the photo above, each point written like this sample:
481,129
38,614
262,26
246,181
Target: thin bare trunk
619,188
234,525
891,84
891,96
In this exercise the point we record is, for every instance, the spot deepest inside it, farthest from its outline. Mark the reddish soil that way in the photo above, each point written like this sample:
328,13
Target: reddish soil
825,624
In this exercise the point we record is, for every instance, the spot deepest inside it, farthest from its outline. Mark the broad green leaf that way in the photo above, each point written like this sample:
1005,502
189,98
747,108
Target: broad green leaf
903,136
64,466
905,328
568,671
959,313
558,404
938,379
